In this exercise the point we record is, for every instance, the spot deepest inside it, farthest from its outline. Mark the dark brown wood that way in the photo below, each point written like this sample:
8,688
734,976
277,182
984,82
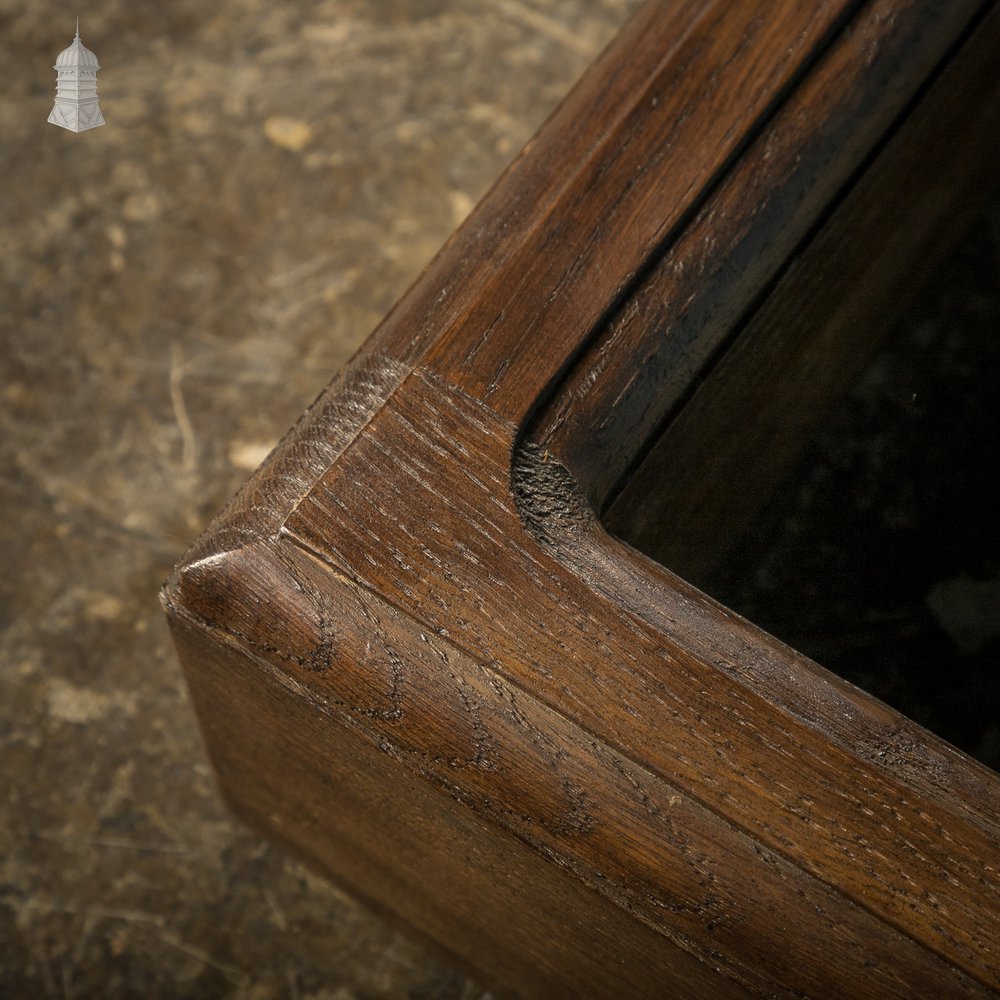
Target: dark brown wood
796,353
421,661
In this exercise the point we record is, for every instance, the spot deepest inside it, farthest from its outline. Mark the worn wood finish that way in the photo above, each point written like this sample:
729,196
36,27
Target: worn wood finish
421,661
787,364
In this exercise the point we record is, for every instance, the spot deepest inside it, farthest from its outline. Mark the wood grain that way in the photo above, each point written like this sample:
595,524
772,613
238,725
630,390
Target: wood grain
787,364
421,661
358,809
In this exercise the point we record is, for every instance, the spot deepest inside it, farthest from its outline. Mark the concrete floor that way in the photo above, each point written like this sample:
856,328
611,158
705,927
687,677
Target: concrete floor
176,287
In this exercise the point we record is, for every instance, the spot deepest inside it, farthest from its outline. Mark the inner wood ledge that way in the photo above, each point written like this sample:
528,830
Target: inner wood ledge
421,661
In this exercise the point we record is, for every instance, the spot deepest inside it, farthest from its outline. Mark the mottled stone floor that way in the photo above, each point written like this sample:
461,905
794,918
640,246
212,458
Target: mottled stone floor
174,288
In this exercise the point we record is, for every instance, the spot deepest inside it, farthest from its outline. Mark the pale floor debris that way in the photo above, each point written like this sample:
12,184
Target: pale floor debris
288,133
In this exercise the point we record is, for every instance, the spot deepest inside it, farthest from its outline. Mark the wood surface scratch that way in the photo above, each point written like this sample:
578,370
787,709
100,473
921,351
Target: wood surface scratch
420,660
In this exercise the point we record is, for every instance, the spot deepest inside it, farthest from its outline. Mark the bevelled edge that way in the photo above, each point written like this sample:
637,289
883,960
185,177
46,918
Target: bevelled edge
554,507
321,434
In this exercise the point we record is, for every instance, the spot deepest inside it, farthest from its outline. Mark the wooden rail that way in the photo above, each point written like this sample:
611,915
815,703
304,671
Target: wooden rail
421,660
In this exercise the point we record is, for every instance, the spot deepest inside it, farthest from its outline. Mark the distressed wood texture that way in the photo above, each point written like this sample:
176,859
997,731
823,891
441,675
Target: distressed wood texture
421,661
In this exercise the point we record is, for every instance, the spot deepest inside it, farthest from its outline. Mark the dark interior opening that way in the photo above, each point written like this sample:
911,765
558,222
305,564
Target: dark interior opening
878,552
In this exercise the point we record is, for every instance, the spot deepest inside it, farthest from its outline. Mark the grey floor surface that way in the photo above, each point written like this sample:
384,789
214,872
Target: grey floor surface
175,287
